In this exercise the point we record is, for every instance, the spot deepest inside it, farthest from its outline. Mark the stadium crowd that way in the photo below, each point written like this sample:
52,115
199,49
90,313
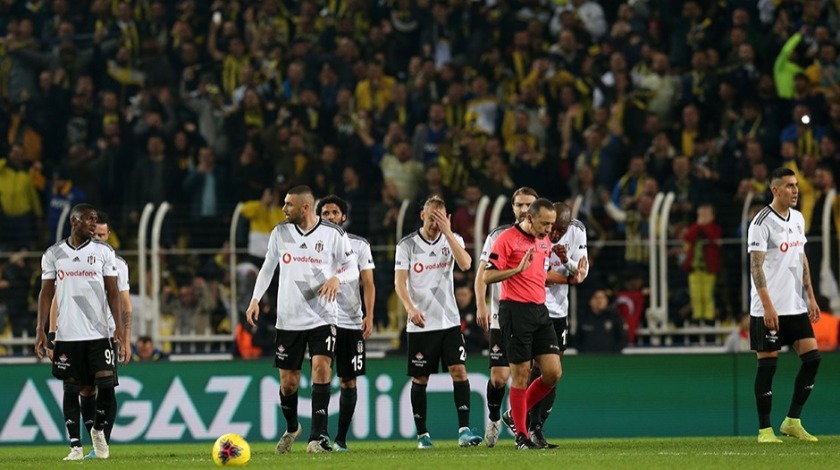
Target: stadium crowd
208,104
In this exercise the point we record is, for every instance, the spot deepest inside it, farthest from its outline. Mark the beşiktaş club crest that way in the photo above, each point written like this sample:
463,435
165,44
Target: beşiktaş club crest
319,246
445,252
91,259
360,347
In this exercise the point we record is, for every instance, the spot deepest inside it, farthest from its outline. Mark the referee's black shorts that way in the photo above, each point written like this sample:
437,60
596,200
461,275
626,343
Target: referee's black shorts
792,328
527,331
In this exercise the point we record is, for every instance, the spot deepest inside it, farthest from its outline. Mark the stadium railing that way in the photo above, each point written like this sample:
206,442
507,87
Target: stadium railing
151,273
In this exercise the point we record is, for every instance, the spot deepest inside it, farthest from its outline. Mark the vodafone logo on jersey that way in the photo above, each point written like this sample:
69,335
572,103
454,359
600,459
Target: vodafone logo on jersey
420,267
76,273
784,247
288,258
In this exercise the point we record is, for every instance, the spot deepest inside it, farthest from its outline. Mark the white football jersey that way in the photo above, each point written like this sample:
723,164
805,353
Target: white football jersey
557,295
79,275
306,261
783,240
349,296
431,286
495,288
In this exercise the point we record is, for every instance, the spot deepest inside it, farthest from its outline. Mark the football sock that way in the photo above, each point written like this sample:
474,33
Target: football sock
518,409
346,407
764,389
462,402
88,404
105,397
418,406
112,416
71,409
536,392
538,414
289,405
494,401
804,382
320,410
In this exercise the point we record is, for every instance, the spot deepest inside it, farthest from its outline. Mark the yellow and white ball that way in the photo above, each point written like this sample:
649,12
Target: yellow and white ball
231,450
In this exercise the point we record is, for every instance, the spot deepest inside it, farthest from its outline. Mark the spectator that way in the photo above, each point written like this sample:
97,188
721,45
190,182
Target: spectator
263,215
144,350
205,191
601,328
739,340
20,206
702,262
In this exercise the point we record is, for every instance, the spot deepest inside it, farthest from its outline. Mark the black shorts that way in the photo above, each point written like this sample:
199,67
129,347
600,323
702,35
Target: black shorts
791,328
290,345
81,360
561,329
498,352
428,349
527,330
350,358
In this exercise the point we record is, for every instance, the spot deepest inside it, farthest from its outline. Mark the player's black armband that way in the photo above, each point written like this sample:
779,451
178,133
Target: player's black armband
51,340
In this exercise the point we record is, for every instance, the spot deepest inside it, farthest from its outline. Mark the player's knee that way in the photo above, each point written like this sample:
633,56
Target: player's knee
422,380
106,381
458,373
551,376
811,360
71,387
347,384
88,391
498,382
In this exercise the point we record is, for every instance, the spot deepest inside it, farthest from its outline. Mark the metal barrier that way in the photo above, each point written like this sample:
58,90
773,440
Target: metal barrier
145,323
745,270
62,219
478,228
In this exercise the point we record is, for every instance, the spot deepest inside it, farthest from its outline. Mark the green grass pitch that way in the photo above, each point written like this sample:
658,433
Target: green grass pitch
741,453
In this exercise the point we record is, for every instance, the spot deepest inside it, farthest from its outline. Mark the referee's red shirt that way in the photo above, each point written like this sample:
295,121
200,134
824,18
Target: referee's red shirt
529,285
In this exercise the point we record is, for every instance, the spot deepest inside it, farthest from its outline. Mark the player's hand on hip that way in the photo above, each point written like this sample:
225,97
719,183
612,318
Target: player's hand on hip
330,288
253,312
482,317
526,260
771,319
416,317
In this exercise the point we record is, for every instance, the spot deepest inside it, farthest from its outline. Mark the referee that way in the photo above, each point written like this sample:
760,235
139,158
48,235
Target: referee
519,260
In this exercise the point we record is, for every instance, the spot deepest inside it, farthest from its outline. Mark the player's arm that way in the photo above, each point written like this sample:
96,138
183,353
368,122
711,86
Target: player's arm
53,324
462,258
493,275
347,270
45,296
771,318
482,317
128,323
270,263
414,314
112,292
808,288
369,293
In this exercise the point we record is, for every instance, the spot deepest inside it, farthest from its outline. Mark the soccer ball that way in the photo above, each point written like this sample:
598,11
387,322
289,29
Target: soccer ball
231,450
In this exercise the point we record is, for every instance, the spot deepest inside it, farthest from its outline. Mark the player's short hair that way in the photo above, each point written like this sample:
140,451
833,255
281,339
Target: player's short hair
541,203
332,199
103,219
301,190
434,202
80,209
780,173
524,191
